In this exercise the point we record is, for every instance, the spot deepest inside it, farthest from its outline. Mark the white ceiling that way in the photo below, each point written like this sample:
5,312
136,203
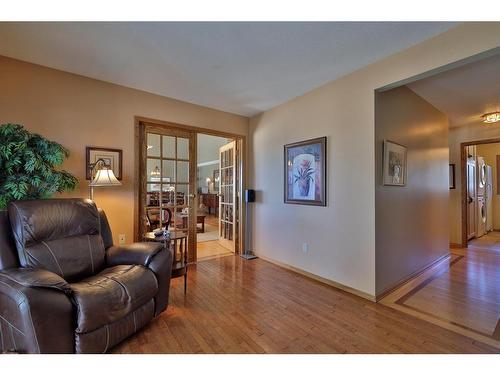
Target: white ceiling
464,93
244,68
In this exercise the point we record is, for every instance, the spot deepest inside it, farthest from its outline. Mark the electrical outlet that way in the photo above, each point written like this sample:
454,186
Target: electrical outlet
305,247
121,239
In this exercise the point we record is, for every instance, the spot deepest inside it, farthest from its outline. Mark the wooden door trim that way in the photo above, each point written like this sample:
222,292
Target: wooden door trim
140,121
463,179
142,183
195,129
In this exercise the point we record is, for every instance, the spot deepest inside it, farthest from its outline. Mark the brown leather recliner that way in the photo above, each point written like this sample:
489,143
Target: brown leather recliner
64,287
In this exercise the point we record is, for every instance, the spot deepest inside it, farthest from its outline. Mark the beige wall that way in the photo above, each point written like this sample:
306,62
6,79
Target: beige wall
458,135
411,222
77,111
342,235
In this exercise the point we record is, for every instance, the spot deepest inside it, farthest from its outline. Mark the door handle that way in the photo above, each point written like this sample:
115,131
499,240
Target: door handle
191,195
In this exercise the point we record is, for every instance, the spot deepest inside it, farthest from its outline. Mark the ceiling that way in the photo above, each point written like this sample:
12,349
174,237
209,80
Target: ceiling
243,68
464,93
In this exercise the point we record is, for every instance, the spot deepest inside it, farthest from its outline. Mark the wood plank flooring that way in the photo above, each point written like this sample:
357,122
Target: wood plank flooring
461,294
238,306
211,249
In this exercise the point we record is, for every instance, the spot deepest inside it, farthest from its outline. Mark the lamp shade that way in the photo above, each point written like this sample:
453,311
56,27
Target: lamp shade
105,177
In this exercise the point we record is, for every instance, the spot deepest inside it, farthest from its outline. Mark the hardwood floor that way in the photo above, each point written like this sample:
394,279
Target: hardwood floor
211,249
238,306
490,242
461,294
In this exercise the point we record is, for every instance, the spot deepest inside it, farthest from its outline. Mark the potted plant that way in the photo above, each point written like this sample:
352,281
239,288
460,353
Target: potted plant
304,177
28,166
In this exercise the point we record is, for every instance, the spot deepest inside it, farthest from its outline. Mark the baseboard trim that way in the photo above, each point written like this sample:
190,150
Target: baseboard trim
455,245
412,276
322,280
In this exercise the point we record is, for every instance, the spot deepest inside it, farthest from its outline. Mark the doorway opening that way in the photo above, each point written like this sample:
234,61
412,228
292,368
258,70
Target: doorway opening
479,191
189,182
217,171
449,201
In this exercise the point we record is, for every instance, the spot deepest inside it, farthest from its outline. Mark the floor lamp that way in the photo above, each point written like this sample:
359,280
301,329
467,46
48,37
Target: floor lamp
103,177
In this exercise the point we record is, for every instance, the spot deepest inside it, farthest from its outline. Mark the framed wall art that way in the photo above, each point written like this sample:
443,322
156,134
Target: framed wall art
111,156
452,176
305,172
394,164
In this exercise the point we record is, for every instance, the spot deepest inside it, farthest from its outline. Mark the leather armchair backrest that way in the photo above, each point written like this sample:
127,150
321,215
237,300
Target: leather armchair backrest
59,235
8,253
106,234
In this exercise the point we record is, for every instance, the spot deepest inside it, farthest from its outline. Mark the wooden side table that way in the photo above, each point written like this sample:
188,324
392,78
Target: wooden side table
200,219
179,259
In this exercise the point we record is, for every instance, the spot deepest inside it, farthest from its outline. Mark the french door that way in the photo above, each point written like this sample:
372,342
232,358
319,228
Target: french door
228,173
167,171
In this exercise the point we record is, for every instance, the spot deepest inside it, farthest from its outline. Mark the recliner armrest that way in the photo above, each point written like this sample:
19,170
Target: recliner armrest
140,253
37,311
152,255
36,278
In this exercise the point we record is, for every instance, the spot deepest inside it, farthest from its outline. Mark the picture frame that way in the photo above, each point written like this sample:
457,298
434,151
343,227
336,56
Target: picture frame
305,172
112,157
394,171
216,179
452,176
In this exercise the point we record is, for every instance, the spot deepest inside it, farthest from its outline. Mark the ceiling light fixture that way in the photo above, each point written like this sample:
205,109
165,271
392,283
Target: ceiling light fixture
491,117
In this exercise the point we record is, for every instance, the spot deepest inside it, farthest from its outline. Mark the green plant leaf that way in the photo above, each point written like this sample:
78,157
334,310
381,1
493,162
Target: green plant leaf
28,166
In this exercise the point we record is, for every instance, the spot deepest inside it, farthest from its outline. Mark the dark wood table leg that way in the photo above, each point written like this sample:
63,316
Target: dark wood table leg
185,264
185,281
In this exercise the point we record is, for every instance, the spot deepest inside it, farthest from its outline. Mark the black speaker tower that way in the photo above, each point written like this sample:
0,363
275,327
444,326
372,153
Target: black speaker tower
249,198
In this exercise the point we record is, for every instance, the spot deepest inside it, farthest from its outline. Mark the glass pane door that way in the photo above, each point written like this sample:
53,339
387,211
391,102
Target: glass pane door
227,196
169,175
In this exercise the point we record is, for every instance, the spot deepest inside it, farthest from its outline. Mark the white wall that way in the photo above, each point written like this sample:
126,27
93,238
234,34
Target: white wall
208,147
341,235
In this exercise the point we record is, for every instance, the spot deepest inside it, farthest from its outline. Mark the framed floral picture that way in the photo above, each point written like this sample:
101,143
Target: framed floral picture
305,172
394,164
